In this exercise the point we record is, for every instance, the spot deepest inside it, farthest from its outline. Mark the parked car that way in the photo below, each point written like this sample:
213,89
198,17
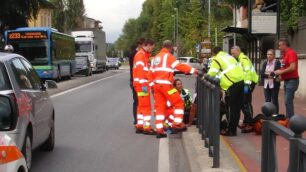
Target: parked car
30,123
83,66
191,61
113,63
11,159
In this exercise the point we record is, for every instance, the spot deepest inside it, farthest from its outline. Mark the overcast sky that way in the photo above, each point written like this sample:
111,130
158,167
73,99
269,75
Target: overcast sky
113,14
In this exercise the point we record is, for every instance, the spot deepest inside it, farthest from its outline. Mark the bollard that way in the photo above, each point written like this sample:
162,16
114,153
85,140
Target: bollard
297,124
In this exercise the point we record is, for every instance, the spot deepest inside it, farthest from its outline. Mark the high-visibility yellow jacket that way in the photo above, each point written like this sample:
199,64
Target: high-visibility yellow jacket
227,69
250,74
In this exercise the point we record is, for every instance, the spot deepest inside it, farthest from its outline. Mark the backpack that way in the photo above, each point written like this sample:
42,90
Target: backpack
279,118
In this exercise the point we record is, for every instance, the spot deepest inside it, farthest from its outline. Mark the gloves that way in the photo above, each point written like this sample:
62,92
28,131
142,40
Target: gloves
272,74
246,89
144,89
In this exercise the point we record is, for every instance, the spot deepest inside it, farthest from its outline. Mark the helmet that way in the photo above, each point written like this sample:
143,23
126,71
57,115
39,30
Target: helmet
9,48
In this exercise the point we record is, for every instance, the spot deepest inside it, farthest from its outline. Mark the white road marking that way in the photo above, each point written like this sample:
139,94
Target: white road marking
85,85
163,156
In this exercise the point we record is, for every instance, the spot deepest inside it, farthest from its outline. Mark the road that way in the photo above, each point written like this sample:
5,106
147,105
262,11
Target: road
94,132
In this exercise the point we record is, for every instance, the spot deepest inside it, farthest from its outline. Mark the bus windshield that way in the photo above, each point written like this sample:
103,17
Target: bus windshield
83,46
34,51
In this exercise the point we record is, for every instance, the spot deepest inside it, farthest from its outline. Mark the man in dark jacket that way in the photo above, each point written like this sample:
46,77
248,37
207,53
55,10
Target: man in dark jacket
134,49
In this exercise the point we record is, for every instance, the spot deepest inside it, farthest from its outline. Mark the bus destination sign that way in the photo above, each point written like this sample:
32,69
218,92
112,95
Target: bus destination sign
27,35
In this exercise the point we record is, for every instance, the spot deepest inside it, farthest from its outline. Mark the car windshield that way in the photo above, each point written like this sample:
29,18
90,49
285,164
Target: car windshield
34,51
83,46
182,60
4,81
112,60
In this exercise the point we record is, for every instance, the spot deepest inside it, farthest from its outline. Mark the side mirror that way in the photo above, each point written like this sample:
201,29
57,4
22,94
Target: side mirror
8,113
49,84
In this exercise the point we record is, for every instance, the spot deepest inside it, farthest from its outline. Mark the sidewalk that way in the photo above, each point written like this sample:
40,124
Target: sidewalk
243,152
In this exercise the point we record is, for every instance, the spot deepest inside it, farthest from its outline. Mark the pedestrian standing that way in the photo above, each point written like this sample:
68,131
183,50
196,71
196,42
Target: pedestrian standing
271,82
141,85
134,49
250,81
289,73
230,73
162,68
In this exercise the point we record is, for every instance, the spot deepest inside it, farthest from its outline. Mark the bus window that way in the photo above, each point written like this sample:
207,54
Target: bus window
35,52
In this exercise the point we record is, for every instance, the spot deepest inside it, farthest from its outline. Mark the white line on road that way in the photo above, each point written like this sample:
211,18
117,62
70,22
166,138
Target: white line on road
85,85
163,156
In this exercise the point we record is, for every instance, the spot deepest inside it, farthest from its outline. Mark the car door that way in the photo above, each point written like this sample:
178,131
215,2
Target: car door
31,93
44,106
195,63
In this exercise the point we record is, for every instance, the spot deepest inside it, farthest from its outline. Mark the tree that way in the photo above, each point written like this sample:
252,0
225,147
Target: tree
69,14
16,13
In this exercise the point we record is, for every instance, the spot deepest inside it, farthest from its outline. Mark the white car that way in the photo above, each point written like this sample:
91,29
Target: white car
191,61
11,159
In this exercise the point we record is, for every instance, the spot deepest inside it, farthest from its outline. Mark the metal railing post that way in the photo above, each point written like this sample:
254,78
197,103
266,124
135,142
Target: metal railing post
268,149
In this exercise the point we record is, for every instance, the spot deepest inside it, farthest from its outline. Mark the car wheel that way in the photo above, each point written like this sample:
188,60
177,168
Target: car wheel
27,150
49,143
59,76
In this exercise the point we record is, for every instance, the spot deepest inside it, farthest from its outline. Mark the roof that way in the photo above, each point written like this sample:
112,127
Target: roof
34,29
46,4
7,56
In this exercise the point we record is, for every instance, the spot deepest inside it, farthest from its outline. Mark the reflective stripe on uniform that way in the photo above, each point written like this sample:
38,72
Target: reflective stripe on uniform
139,116
142,94
145,69
178,111
171,117
174,64
143,81
151,84
178,120
147,118
140,122
162,69
159,81
213,70
248,82
160,117
192,70
172,91
168,103
159,126
147,124
229,68
139,63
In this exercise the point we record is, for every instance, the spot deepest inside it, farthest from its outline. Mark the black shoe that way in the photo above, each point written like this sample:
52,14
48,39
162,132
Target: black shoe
149,132
161,135
182,129
247,129
139,131
230,134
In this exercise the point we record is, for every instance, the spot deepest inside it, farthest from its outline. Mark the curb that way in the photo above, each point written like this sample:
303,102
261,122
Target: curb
198,157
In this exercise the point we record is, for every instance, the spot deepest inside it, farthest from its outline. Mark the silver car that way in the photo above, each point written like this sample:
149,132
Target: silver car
31,123
191,61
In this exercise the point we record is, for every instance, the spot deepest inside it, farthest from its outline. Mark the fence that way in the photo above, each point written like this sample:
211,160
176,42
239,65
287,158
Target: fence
297,151
208,115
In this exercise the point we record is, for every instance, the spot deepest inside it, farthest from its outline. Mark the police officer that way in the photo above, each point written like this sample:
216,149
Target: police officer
227,69
250,81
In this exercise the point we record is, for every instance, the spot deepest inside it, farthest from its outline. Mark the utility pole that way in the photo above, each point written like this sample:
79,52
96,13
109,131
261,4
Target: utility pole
174,21
177,32
208,18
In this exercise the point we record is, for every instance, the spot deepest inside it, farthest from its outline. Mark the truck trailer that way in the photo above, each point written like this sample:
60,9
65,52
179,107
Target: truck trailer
90,43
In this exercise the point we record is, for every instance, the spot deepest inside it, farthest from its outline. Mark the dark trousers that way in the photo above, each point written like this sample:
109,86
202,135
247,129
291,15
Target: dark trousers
247,108
271,95
235,94
135,104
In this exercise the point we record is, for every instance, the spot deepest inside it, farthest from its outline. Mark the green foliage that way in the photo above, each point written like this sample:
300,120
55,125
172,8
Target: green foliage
291,10
68,14
157,21
16,13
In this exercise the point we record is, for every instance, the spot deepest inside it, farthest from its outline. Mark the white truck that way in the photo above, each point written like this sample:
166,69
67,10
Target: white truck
90,50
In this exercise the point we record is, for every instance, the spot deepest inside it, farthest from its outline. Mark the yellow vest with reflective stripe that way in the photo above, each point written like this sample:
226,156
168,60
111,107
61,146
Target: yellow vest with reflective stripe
227,68
250,74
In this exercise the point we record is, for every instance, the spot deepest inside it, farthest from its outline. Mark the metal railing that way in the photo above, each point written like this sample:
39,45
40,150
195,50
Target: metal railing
208,115
297,151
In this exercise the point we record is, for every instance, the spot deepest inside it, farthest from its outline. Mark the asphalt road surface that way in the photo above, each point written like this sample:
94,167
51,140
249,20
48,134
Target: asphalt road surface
94,132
